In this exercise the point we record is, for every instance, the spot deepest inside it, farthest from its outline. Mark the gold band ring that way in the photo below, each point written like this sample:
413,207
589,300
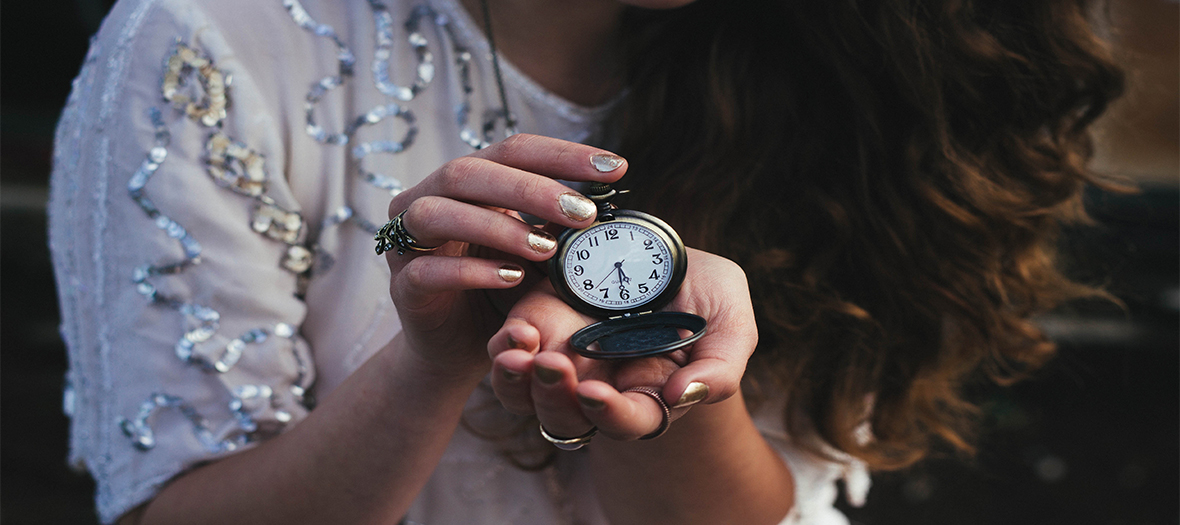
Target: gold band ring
573,443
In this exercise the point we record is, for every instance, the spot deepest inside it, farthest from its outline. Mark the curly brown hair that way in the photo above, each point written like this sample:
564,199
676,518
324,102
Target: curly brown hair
891,174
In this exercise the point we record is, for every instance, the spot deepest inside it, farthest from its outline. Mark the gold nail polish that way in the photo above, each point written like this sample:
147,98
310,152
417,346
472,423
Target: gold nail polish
695,393
510,273
547,376
606,162
576,206
541,242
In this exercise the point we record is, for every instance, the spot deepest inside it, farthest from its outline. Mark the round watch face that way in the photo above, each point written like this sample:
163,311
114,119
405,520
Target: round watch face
621,265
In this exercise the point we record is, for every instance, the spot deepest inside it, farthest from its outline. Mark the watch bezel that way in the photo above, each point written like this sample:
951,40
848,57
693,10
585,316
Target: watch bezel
679,256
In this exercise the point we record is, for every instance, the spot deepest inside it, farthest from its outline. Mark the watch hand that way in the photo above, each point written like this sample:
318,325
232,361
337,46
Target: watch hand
608,274
623,279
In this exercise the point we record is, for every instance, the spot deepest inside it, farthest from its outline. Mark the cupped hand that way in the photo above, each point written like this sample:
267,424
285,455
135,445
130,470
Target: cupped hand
470,209
537,371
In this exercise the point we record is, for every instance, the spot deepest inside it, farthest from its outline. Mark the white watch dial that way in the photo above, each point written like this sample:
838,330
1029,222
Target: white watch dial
618,265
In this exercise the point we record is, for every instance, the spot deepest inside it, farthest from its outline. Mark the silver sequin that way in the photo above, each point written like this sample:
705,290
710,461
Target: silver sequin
377,114
233,350
144,438
346,61
384,29
135,187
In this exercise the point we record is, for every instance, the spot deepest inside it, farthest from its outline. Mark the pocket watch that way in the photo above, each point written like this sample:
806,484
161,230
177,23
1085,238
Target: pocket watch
623,267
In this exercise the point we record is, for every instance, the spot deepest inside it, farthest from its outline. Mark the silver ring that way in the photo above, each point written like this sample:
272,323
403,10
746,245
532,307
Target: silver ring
573,443
393,236
655,394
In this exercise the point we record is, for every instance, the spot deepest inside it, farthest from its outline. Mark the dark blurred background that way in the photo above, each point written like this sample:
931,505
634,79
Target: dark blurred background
1092,439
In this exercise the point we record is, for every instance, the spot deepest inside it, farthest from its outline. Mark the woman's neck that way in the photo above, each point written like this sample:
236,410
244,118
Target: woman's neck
570,47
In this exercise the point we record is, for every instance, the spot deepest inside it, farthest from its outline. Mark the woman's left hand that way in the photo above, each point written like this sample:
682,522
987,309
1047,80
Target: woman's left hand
536,370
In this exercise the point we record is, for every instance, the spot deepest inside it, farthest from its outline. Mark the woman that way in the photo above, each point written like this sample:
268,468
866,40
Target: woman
811,144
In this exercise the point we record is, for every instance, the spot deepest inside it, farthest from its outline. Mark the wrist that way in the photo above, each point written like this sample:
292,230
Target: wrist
401,358
703,429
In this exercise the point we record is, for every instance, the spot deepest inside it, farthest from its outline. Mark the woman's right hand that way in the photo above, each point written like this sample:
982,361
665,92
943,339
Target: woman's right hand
470,208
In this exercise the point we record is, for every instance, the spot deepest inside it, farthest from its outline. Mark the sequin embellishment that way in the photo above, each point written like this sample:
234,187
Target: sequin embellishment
377,114
144,438
192,249
239,168
346,61
235,166
384,29
208,109
272,220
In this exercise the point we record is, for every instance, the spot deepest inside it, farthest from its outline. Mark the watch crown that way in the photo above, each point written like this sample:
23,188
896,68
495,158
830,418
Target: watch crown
601,193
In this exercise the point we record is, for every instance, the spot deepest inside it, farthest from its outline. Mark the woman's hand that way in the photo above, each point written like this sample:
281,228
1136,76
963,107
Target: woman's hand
470,209
537,371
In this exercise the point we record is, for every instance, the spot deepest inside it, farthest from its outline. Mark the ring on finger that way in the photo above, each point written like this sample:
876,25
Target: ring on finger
393,236
573,443
667,412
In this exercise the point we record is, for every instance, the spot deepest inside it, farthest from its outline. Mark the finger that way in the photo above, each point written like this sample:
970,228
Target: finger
494,181
552,389
716,362
715,365
549,316
556,158
622,416
511,350
512,372
427,275
433,221
516,334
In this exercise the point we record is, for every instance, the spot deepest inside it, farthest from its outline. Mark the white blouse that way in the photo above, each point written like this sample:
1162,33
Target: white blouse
219,172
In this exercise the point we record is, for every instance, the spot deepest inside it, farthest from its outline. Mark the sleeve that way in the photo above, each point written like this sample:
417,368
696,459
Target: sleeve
177,256
816,477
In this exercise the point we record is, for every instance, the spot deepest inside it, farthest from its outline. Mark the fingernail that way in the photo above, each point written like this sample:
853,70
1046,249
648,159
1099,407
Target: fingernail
513,343
548,376
541,242
695,393
606,162
510,273
576,206
591,403
511,376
